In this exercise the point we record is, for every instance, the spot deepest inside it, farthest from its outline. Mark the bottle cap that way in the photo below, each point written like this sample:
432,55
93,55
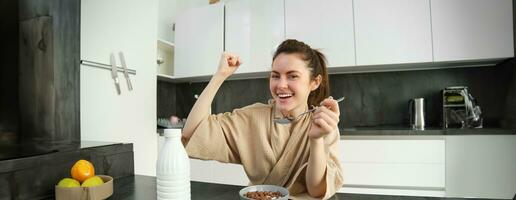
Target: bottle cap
172,132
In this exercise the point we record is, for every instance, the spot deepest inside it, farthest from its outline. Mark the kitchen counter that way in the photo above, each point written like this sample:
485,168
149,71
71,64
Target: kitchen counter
405,131
429,131
144,187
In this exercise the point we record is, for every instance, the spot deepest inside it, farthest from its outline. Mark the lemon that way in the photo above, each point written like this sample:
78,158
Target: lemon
92,181
68,182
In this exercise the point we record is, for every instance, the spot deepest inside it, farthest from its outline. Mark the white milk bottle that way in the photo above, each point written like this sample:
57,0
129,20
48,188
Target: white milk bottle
173,168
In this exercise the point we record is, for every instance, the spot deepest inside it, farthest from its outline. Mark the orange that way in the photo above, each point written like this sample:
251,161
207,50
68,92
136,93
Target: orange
82,170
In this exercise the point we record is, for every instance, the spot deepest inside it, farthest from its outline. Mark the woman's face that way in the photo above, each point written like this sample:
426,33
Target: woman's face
290,83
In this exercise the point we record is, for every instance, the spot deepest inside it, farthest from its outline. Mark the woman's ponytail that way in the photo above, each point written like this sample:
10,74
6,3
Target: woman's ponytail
319,67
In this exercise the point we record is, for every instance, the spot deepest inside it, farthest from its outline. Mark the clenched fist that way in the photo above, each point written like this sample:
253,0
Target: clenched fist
228,64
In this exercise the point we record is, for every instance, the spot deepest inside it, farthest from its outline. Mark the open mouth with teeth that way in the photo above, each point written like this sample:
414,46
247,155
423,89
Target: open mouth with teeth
285,95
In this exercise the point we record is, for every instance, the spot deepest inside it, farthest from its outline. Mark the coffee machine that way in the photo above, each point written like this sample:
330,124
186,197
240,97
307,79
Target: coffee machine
460,109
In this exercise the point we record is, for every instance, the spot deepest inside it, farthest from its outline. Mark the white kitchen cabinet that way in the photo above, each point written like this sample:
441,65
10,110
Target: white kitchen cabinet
326,25
472,29
199,41
165,58
482,166
201,170
109,27
392,32
355,35
253,29
393,165
228,173
217,172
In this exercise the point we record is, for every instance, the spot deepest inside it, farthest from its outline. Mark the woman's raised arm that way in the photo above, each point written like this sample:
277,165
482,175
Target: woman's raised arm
201,109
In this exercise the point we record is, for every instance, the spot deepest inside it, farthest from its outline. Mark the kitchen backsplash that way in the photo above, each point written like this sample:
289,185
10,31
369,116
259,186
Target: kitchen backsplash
373,99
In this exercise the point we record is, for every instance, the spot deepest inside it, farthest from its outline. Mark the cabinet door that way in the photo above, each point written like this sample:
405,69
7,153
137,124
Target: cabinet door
199,41
392,32
326,25
109,27
482,166
228,173
387,164
253,31
216,172
201,170
472,29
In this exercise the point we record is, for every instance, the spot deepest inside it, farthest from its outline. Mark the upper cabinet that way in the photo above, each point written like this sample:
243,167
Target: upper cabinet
325,25
199,41
392,32
165,58
355,35
472,29
253,29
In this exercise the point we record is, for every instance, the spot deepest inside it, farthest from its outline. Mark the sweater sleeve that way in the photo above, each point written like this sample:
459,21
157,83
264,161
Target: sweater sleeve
219,136
334,176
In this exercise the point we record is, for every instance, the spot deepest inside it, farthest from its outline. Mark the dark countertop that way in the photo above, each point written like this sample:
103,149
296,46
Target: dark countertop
144,187
428,131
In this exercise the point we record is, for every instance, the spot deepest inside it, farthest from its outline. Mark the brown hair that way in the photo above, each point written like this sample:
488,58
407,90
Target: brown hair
316,65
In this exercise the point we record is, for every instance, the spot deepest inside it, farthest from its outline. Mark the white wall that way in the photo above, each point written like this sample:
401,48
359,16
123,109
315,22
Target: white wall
129,26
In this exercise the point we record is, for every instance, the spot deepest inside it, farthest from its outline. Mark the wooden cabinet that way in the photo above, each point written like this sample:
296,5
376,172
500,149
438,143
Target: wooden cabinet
472,29
393,165
253,29
325,25
199,41
392,32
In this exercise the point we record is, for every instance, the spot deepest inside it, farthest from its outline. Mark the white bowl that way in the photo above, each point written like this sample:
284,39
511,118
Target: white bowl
268,188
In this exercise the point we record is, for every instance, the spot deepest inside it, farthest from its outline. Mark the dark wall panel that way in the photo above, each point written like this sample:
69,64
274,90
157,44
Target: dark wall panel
167,102
53,116
9,71
36,75
67,26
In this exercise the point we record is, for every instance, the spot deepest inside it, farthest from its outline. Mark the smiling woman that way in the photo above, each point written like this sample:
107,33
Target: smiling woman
288,83
301,156
298,61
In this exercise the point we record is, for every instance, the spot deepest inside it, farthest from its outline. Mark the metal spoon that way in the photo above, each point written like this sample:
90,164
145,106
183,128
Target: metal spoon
287,120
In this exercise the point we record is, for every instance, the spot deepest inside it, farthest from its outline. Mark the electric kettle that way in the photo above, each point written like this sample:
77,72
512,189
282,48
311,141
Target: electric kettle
417,113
